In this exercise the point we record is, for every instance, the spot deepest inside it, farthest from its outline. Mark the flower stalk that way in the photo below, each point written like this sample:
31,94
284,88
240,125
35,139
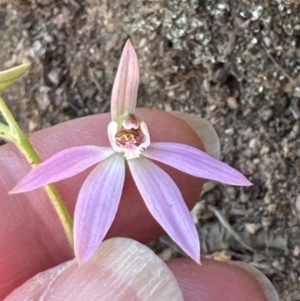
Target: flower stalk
13,133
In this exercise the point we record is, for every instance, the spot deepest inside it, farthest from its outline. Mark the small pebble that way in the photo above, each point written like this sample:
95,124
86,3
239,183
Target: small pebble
267,199
168,107
229,131
296,251
212,107
265,150
166,254
267,41
253,143
278,265
232,102
54,75
32,125
59,20
252,227
220,255
272,207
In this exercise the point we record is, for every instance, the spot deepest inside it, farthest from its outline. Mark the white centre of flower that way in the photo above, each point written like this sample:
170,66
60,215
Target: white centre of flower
131,137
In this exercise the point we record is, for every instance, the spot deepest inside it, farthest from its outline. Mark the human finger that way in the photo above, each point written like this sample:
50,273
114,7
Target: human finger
121,269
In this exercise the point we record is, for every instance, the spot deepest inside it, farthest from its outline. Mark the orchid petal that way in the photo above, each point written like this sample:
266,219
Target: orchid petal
124,92
62,165
97,205
195,162
166,204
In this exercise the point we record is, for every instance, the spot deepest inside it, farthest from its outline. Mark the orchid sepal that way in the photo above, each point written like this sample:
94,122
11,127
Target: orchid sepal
124,92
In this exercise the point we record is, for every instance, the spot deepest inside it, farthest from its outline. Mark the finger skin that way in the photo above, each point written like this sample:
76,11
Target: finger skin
31,238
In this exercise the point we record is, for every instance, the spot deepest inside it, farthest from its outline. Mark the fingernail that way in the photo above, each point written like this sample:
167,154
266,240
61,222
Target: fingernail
204,130
267,286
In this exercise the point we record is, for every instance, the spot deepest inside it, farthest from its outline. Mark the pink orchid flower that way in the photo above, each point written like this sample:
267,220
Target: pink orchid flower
100,194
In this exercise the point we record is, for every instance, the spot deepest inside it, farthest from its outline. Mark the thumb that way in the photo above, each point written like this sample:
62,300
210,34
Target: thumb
121,269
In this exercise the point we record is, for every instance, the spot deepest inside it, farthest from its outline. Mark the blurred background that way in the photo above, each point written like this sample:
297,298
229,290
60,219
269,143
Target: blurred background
235,63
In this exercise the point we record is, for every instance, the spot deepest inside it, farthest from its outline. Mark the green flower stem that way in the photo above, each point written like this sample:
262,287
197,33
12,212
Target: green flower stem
14,134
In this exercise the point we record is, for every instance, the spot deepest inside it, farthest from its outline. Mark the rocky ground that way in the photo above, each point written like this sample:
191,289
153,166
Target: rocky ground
234,62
